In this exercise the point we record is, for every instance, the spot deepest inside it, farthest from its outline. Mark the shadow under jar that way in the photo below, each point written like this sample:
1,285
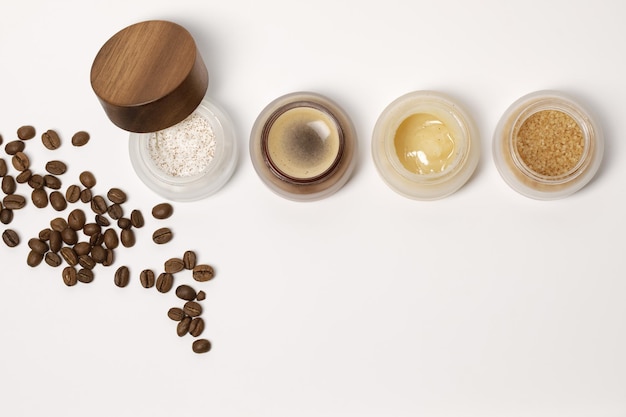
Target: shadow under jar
302,146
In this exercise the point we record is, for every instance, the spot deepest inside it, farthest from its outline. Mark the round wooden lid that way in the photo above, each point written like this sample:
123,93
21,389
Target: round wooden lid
149,76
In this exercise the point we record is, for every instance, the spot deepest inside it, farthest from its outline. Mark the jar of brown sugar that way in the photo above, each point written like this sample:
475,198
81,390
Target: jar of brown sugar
547,146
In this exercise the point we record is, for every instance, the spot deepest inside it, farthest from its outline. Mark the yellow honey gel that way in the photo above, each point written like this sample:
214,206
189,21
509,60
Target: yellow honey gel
424,144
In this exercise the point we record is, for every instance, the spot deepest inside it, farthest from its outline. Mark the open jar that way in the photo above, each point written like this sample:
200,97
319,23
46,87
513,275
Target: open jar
425,146
151,81
547,146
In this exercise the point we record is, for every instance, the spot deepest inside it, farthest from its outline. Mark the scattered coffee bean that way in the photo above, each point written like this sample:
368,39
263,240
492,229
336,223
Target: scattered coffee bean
36,182
201,346
56,242
57,201
39,197
115,211
201,295
122,276
98,205
136,219
44,234
34,258
80,138
6,215
162,236
20,161
53,259
192,309
102,221
174,265
69,255
38,245
189,260
8,184
124,223
76,219
85,275
147,279
14,147
162,211
26,132
87,179
185,292
116,196
110,258
96,239
72,194
183,326
56,167
69,236
164,282
127,237
3,167
51,139
99,254
81,249
14,201
59,224
111,240
10,238
86,261
24,176
203,273
196,327
52,182
85,195
70,276
176,313
91,229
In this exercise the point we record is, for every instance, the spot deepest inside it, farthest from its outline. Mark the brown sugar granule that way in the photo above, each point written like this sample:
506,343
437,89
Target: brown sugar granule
550,143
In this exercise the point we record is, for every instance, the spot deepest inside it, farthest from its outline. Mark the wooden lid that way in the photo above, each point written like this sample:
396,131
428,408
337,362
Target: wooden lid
149,76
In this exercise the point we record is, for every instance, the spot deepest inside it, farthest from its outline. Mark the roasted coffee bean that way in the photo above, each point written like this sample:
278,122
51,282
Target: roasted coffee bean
102,221
127,237
52,182
39,197
183,326
98,254
69,236
20,161
96,239
136,219
72,194
185,292
44,234
56,242
85,195
14,201
189,260
59,224
8,184
87,179
98,205
70,276
85,275
56,167
38,245
26,132
201,295
162,211
57,201
111,240
124,223
164,282
110,258
201,346
69,256
176,314
86,261
3,167
91,229
10,238
122,276
14,147
80,138
24,176
51,139
174,265
76,219
192,308
53,259
36,182
147,279
82,248
196,327
34,258
162,236
6,215
203,273
117,196
115,211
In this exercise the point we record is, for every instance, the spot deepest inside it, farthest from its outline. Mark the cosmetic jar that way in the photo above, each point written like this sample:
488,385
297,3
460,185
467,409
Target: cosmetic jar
547,146
302,146
152,82
425,146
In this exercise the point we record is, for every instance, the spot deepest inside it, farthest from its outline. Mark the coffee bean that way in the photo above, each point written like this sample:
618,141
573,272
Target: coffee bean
3,167
102,221
96,239
127,237
111,240
192,308
164,282
85,195
91,229
8,184
147,279
196,327
98,254
72,194
203,273
81,249
51,140
122,276
201,295
110,258
86,261
10,238
34,258
185,292
115,211
136,219
57,201
53,259
85,275
162,236
20,161
98,205
69,256
162,211
76,219
69,236
56,242
44,234
59,224
87,179
189,260
183,326
80,138
116,196
174,265
36,182
38,245
26,132
124,223
70,276
176,314
24,176
39,197
56,167
14,147
6,215
14,201
52,182
201,346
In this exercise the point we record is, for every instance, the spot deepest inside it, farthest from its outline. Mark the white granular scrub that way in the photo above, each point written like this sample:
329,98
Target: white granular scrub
184,149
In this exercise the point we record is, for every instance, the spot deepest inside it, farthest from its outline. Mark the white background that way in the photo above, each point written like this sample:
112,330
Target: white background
485,303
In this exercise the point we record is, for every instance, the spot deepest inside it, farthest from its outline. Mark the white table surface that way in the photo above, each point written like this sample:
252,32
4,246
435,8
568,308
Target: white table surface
485,303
